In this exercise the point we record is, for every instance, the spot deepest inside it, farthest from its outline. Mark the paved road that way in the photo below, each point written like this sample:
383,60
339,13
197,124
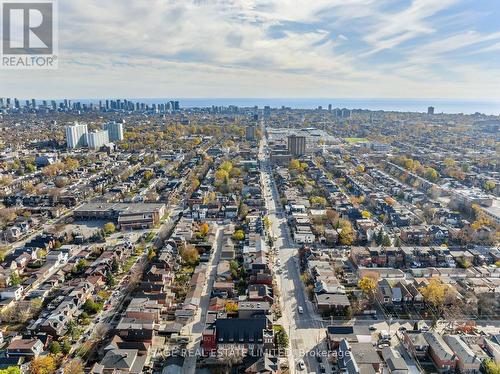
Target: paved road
304,329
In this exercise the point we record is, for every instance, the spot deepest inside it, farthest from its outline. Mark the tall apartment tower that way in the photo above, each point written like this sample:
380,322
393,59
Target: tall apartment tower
96,139
297,145
76,135
430,110
115,131
250,132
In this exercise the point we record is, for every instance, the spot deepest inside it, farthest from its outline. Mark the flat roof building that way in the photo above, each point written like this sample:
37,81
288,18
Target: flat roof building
76,135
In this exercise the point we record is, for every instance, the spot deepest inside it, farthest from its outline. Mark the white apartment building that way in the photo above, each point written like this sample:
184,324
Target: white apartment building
115,131
76,135
96,139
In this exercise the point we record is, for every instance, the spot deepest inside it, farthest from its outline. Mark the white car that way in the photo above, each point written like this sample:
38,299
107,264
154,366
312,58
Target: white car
301,365
300,310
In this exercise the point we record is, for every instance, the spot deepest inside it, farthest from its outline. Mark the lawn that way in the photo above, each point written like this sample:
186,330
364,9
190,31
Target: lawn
355,140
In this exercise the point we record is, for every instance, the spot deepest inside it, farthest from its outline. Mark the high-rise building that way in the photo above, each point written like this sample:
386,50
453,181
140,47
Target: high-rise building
430,110
96,139
251,133
267,112
115,131
297,145
330,108
76,135
346,113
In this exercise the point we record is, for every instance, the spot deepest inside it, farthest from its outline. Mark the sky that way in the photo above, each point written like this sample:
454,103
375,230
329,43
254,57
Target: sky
271,48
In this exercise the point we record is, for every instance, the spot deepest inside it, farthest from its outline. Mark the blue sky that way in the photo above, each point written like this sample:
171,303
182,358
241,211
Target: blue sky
271,48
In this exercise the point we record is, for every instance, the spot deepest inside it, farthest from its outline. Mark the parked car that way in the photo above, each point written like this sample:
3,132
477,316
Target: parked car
301,365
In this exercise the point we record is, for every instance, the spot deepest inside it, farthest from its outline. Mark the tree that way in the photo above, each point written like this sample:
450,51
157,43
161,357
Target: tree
366,214
231,306
346,236
295,165
267,222
239,235
71,164
15,279
110,279
5,180
8,215
53,170
230,357
43,365
151,254
449,162
74,331
435,293
189,254
281,338
431,174
75,366
30,168
11,370
226,166
221,175
491,367
368,286
66,347
148,174
115,266
109,228
386,241
235,172
91,307
80,266
489,185
61,182
333,217
318,201
55,348
204,229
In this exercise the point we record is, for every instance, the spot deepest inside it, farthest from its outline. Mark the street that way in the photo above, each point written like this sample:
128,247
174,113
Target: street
305,330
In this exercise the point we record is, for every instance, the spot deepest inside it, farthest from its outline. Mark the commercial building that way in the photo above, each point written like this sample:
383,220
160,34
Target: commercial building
96,139
115,131
251,133
128,216
430,110
76,135
297,145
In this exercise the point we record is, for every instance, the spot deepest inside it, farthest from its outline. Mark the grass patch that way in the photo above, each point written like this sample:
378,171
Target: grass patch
355,140
128,263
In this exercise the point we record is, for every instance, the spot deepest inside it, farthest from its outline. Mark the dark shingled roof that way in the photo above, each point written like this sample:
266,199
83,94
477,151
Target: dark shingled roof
232,330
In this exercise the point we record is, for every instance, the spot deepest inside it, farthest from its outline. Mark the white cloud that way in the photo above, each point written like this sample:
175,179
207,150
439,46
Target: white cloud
239,48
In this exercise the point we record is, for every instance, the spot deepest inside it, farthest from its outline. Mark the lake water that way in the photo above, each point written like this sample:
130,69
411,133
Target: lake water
491,107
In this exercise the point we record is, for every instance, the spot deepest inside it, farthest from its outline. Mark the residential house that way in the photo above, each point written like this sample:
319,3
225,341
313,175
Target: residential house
443,357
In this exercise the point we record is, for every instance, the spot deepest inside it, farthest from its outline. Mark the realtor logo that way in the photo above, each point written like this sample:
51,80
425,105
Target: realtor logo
29,35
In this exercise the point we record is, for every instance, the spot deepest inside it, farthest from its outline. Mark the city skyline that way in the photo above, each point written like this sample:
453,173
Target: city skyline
355,49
